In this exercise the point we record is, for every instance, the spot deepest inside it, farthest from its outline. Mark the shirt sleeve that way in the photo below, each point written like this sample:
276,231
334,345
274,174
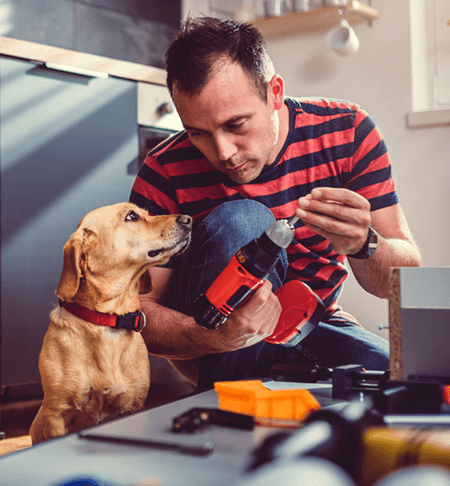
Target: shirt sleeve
153,190
370,171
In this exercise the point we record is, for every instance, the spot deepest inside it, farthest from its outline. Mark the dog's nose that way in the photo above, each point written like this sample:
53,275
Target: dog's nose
185,220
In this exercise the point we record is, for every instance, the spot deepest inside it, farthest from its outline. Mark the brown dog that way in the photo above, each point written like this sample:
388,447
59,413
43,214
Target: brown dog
91,371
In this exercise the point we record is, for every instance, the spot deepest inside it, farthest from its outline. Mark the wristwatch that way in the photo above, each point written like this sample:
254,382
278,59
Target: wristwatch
368,248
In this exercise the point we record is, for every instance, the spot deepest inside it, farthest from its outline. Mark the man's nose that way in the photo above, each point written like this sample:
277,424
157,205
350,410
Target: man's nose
224,146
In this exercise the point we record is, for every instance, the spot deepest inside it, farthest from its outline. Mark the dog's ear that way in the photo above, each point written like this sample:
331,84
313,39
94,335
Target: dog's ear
145,283
72,272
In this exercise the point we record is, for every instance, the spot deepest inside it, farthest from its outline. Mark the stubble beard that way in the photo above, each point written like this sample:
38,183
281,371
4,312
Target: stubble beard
253,167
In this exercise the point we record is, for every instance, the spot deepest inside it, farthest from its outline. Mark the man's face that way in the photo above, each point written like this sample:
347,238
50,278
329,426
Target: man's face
230,124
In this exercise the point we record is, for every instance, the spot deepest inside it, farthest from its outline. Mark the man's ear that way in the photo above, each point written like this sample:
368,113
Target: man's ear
276,92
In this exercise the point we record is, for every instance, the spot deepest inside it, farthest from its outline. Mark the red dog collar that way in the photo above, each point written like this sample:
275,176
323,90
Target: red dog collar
134,321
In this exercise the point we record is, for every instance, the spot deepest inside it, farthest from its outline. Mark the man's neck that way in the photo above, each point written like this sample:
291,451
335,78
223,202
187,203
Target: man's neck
283,117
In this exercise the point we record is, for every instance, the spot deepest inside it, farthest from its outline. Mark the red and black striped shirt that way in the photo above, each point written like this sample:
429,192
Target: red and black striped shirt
331,143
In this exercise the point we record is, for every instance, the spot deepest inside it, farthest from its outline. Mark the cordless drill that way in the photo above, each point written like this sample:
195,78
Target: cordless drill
302,309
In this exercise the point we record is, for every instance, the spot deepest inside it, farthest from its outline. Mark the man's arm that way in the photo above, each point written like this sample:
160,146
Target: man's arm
396,248
343,217
174,335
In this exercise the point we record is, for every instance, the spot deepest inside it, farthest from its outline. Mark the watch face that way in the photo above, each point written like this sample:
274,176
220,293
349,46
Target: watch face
373,241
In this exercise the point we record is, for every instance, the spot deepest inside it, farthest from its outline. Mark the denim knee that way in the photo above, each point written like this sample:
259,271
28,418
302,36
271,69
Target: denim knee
235,223
229,227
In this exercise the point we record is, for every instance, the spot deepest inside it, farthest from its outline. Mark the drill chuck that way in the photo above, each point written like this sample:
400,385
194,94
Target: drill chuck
279,234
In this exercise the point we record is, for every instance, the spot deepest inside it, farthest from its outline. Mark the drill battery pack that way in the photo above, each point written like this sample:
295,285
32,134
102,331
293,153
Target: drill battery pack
301,312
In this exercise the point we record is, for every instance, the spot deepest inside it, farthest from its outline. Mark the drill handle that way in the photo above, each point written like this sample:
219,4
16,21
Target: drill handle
232,287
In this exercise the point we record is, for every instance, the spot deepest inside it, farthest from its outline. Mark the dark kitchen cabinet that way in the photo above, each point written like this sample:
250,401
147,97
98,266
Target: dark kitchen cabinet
66,144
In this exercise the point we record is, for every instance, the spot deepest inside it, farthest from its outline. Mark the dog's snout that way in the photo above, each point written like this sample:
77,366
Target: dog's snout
185,220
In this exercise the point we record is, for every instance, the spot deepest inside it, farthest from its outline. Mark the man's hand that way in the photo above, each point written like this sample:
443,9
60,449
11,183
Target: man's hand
340,215
251,323
171,334
343,217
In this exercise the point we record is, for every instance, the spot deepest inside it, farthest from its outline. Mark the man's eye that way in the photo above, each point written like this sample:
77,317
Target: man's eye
132,216
195,134
235,126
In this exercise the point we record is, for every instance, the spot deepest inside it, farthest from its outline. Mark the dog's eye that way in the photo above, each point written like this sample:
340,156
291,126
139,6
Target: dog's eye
153,253
132,216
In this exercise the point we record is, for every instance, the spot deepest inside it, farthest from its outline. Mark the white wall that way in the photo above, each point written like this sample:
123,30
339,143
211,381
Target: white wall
194,8
378,77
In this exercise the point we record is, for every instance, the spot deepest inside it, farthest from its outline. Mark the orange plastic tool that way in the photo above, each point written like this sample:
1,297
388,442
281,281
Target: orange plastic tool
251,397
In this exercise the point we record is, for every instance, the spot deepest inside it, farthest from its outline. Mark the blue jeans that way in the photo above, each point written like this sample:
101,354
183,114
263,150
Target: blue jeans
214,241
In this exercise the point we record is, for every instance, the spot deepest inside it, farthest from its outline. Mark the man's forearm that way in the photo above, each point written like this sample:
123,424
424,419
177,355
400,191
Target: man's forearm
173,335
372,274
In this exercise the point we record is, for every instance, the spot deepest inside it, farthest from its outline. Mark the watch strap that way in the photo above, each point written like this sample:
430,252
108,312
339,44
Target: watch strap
369,247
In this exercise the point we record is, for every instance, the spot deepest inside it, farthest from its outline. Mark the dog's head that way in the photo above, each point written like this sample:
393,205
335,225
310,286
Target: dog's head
116,244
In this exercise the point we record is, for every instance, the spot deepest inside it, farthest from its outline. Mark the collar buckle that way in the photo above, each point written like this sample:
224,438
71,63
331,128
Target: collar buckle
142,322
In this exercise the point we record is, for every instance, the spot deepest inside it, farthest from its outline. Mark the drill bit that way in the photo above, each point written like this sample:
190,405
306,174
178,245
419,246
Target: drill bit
292,220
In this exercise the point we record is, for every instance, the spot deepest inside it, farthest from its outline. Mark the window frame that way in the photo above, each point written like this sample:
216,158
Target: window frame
429,58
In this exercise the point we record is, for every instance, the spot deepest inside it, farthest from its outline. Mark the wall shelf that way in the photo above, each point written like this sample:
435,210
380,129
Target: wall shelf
315,20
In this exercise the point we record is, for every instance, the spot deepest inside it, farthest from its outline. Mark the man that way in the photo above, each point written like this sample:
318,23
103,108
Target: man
249,156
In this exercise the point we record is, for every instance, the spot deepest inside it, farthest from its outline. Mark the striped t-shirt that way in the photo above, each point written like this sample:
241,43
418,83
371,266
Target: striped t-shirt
331,143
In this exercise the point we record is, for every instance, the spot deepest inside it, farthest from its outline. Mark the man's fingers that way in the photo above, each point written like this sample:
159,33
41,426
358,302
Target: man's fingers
324,210
335,211
339,215
338,224
269,316
264,308
341,196
259,316
259,298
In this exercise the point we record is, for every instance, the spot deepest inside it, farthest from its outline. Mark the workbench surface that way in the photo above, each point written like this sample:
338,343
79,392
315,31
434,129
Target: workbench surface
58,460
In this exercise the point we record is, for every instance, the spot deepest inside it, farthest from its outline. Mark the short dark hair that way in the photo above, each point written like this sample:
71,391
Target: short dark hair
202,41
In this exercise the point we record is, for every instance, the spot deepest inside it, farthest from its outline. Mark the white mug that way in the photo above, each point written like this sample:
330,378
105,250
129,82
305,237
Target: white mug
272,8
306,5
343,39
328,3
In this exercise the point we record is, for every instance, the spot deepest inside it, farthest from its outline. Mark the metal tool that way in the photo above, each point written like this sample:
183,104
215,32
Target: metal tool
197,450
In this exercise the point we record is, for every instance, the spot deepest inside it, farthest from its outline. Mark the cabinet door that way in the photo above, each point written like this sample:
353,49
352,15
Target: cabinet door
66,142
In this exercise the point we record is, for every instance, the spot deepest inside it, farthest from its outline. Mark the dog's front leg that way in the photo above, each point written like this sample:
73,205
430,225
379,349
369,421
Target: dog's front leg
53,421
47,424
36,432
53,425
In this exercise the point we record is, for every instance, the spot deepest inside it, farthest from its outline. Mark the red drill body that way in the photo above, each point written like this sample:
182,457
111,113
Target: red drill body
247,270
